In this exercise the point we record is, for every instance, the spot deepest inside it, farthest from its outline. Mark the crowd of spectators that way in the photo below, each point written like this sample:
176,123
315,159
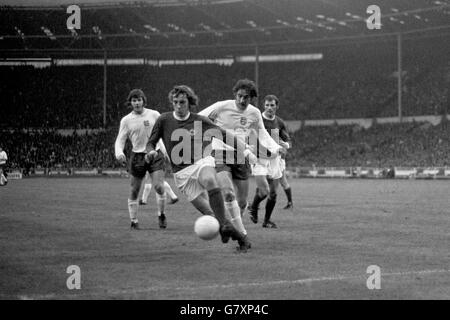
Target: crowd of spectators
354,82
346,83
381,145
49,149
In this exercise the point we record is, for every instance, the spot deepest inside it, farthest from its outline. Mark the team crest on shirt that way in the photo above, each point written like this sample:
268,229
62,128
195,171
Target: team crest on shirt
146,123
192,132
243,121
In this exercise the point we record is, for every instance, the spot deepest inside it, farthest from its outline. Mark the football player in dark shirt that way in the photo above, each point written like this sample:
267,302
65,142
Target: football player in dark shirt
274,124
187,137
267,171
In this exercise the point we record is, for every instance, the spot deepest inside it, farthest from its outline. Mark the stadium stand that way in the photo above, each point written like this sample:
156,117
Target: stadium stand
382,145
355,79
347,83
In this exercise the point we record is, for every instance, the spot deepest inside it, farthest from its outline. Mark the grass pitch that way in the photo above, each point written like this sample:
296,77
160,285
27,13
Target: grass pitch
321,250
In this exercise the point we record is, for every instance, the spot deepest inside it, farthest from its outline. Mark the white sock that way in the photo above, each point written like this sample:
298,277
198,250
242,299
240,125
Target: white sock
146,192
161,202
233,208
133,209
169,191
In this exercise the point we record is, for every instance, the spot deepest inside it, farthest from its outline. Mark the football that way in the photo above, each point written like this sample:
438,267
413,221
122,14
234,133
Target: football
207,227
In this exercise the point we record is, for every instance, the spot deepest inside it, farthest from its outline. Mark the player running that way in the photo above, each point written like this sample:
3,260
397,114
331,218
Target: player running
267,172
3,174
243,119
187,137
137,126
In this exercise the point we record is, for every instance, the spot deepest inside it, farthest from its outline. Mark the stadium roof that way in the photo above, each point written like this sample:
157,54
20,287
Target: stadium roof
200,27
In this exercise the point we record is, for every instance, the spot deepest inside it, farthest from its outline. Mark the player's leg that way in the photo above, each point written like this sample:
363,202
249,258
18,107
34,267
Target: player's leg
262,191
3,175
156,168
287,189
158,183
3,180
209,180
201,203
147,190
173,197
225,181
270,204
137,172
240,174
135,185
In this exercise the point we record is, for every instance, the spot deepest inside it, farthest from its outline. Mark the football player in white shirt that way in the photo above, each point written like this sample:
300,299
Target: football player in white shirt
3,175
137,126
245,121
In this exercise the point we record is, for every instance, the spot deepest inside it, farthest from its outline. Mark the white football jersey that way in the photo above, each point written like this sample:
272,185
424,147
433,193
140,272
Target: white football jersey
3,157
137,128
245,124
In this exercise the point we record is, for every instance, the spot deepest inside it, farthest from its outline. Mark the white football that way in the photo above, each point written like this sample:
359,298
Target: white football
206,227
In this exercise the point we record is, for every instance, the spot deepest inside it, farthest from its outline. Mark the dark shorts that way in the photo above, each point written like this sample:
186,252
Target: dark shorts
138,166
239,171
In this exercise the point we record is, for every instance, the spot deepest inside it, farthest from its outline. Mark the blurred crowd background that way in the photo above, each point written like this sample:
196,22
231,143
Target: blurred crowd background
355,82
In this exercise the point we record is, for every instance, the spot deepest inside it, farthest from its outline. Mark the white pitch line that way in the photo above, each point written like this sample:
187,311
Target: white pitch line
231,285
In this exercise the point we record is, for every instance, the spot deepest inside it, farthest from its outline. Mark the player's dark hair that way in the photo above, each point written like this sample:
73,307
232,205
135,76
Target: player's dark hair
183,89
247,85
271,97
136,93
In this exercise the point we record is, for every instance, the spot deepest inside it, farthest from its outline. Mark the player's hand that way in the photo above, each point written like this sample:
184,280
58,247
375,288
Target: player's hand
282,151
150,155
122,159
284,144
252,159
251,148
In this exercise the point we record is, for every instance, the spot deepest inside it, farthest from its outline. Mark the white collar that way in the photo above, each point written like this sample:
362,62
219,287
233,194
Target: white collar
181,119
266,117
139,114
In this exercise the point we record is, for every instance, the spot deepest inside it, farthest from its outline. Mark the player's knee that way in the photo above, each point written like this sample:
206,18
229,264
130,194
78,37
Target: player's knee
273,196
229,195
134,192
209,181
242,204
159,188
263,192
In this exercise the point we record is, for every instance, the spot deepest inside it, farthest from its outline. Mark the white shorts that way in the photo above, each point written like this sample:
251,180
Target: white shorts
268,167
282,165
186,179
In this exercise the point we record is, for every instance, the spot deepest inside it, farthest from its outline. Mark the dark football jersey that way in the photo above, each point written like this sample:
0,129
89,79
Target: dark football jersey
185,141
277,128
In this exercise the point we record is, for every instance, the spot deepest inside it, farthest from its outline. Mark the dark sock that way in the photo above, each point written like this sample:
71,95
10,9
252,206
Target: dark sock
217,204
288,194
257,200
270,204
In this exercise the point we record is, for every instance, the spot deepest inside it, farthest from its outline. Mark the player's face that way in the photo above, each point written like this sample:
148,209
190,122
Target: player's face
270,107
242,99
180,105
138,104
